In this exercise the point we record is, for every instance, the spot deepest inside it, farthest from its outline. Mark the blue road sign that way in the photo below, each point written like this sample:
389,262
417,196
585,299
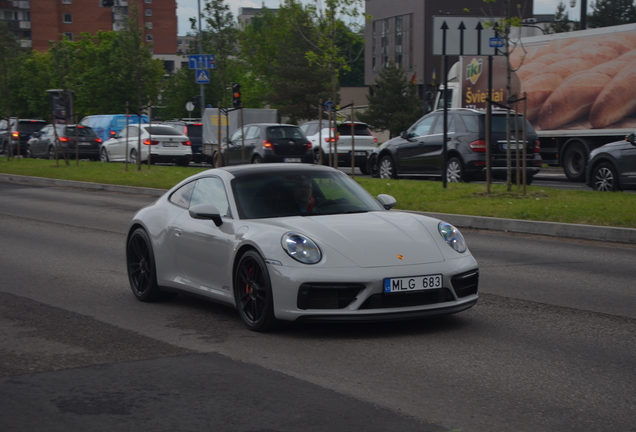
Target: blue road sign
211,61
496,42
203,76
197,61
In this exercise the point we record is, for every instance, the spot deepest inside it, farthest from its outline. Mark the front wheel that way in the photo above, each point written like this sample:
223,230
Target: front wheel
387,168
103,155
142,272
253,293
605,178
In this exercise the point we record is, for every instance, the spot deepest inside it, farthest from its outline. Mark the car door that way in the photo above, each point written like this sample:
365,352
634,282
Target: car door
38,145
433,155
253,141
233,148
627,167
410,152
203,250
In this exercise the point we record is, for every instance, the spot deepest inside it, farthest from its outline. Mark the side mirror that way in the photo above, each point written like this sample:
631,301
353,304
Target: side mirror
35,134
387,201
631,138
206,212
405,135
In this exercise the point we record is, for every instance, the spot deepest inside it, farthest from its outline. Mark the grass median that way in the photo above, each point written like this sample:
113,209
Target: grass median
539,203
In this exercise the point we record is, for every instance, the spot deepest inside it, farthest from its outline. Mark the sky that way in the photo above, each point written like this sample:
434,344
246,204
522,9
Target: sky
189,8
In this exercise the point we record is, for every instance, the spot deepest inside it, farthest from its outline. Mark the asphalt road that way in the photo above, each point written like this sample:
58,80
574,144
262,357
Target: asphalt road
549,347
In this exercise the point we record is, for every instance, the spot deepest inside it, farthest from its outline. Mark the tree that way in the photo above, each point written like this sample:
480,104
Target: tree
10,60
607,13
561,22
394,105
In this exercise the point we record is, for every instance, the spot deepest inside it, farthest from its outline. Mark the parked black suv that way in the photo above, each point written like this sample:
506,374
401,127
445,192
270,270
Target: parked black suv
14,131
193,129
417,152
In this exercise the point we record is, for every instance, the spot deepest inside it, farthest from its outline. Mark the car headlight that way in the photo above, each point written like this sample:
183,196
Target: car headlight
452,236
301,248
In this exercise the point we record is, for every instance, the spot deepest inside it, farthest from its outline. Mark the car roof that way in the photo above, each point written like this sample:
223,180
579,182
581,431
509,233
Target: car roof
273,168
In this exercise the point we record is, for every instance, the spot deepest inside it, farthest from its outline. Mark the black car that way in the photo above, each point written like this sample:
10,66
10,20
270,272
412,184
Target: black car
16,131
418,152
612,167
43,142
265,143
193,129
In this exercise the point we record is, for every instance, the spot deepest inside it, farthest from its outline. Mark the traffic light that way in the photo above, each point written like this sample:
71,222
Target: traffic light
236,95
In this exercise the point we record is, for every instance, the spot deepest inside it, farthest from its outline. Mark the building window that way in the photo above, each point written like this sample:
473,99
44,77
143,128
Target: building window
69,35
67,1
148,1
398,41
148,12
148,38
68,18
149,25
385,43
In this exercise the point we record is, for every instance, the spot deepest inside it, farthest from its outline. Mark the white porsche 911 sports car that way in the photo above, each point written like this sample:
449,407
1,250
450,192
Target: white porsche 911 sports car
288,242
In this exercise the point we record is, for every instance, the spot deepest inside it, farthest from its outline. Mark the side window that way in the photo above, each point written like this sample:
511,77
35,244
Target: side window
210,190
439,126
252,132
132,132
423,127
3,125
182,196
237,135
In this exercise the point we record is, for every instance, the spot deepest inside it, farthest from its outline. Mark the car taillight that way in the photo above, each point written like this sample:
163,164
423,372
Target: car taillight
332,139
15,134
112,134
537,146
375,140
185,143
308,145
268,145
98,140
150,142
478,146
65,139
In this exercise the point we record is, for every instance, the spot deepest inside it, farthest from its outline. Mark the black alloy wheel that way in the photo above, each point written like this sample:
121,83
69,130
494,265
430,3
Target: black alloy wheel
386,168
605,178
103,155
253,293
142,273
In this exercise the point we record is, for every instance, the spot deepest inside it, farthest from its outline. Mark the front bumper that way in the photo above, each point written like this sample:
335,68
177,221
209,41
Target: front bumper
356,294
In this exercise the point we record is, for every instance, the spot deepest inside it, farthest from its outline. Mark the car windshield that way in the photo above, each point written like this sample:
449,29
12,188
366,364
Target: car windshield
300,193
30,126
161,130
280,132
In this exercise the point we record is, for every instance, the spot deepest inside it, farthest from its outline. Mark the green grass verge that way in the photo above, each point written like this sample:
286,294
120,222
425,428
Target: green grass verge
539,203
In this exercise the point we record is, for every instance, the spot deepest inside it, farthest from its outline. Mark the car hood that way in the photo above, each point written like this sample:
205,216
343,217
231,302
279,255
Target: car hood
615,146
374,239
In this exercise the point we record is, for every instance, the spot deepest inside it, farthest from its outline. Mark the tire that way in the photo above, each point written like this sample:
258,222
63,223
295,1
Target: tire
374,169
257,159
455,171
103,155
51,153
133,157
574,161
184,162
29,153
363,169
386,168
604,178
253,293
142,272
317,153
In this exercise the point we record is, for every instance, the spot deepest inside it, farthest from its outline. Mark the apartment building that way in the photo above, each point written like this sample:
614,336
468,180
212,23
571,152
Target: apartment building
36,22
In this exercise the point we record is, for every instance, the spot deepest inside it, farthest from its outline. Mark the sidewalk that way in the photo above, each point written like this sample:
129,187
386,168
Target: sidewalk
585,232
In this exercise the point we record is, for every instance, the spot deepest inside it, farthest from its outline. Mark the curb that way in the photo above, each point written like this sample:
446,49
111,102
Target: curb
552,229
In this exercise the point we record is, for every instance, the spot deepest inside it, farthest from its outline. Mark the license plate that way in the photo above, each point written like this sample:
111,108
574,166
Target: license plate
292,159
359,153
169,144
513,146
415,283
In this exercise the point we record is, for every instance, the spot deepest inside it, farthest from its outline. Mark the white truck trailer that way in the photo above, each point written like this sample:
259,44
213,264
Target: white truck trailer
580,88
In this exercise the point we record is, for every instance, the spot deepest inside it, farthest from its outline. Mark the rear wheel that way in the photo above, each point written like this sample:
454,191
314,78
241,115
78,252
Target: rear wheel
29,153
51,153
184,162
257,159
455,171
133,157
605,178
574,161
103,155
253,293
386,168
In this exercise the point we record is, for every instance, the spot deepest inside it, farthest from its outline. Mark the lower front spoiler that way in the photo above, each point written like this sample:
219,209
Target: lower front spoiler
389,316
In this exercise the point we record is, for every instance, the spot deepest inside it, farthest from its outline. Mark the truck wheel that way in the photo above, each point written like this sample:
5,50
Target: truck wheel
574,161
